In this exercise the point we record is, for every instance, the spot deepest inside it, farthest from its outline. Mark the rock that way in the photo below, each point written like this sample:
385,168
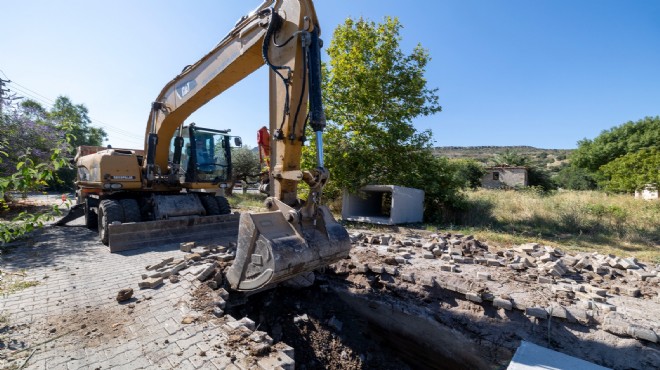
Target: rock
174,279
188,320
390,261
124,294
428,255
218,312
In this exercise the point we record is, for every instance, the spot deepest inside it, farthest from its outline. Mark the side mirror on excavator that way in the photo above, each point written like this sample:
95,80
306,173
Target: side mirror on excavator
238,142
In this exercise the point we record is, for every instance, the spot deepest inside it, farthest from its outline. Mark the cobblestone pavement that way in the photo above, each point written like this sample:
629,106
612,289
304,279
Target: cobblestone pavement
71,318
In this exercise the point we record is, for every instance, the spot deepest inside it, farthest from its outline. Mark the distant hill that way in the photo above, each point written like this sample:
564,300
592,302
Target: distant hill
484,154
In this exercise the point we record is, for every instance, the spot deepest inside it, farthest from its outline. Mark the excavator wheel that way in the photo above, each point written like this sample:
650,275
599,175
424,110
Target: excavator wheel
223,205
210,204
109,212
91,218
131,210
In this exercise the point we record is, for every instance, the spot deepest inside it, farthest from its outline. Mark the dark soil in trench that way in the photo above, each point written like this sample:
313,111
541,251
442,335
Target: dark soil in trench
324,331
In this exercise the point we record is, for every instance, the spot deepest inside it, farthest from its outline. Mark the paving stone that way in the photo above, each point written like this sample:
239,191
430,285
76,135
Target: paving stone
408,277
482,275
545,280
150,283
278,361
503,303
538,312
187,246
474,297
428,255
207,272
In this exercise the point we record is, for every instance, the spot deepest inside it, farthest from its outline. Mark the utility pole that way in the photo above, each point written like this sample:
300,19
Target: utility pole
3,91
3,95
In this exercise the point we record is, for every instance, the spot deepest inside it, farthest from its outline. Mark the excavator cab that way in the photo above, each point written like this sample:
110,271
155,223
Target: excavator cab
202,154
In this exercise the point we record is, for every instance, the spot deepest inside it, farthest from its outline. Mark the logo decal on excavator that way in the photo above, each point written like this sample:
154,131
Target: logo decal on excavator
184,88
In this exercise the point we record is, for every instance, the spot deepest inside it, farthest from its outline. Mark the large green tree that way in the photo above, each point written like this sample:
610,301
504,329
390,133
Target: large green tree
65,113
616,142
372,93
632,171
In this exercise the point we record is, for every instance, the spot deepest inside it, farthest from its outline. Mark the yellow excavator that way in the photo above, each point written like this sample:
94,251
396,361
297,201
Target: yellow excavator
172,190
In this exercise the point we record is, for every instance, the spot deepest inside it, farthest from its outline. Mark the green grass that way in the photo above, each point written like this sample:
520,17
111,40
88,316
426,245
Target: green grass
578,221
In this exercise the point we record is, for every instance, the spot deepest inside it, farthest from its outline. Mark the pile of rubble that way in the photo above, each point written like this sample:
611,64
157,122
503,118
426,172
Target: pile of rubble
581,287
206,265
615,298
204,268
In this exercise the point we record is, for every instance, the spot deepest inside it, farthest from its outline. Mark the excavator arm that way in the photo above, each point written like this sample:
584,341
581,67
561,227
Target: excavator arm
284,35
293,237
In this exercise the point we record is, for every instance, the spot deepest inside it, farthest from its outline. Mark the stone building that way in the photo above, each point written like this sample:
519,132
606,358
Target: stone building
504,177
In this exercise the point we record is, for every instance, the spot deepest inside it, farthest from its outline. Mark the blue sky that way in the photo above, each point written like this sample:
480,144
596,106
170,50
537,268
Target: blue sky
545,73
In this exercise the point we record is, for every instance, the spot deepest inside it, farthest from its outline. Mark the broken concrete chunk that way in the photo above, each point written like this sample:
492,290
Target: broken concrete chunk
408,277
473,297
642,333
187,246
392,270
538,312
193,257
150,283
481,275
428,255
206,273
493,262
160,264
503,303
248,323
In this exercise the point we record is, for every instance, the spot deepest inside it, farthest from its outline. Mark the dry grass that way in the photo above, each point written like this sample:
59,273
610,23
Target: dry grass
585,221
250,202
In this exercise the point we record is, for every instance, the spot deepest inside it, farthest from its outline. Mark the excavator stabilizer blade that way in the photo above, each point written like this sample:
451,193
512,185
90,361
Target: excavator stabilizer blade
209,229
271,250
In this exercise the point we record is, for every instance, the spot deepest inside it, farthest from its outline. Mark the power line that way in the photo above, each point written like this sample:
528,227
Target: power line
49,103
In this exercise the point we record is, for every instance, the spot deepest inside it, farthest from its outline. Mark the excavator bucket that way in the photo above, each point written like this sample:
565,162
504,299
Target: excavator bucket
276,246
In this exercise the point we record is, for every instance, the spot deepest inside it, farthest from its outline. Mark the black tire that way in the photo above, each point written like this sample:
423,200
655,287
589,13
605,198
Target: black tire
91,218
109,212
131,210
210,204
223,205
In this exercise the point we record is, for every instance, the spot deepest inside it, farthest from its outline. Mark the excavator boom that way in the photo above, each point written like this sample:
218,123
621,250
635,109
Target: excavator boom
155,195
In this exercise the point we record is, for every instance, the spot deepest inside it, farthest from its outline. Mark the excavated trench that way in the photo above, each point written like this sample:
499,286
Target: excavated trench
333,329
